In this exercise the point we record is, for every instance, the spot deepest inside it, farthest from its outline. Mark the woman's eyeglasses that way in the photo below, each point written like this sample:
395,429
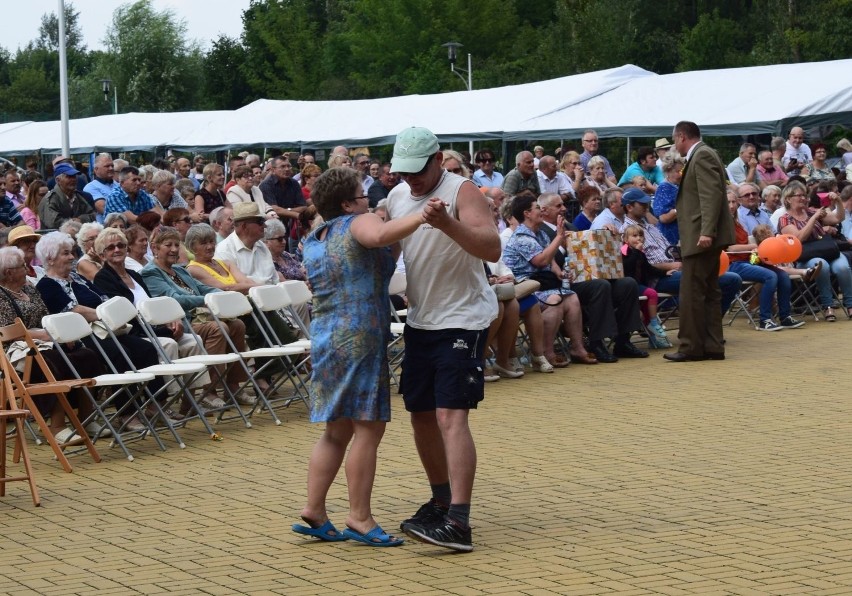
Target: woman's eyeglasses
112,247
277,238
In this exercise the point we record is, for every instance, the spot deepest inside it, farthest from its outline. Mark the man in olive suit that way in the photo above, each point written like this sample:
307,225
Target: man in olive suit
706,229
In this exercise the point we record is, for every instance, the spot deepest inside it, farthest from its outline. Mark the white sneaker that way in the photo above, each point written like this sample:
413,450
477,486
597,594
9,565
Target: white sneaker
93,428
540,364
490,376
515,365
212,403
245,399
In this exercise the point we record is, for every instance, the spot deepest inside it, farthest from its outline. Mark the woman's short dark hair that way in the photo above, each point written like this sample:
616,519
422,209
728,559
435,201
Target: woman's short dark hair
520,204
587,192
172,216
332,188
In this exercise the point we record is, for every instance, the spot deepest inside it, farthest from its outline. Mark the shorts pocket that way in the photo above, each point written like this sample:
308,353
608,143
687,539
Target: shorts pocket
470,382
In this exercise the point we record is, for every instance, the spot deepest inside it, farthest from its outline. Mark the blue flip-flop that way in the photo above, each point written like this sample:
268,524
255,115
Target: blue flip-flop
375,537
326,532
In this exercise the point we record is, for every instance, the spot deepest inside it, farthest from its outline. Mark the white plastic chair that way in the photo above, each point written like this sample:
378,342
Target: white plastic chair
232,305
269,300
70,327
117,312
163,310
300,295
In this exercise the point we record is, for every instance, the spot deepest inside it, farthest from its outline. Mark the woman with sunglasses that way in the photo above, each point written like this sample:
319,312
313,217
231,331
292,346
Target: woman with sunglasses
486,175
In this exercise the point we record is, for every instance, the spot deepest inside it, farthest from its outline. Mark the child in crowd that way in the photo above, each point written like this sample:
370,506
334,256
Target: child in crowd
760,233
636,265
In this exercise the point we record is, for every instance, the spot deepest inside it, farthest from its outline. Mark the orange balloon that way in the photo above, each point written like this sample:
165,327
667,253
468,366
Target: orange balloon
724,262
793,248
773,251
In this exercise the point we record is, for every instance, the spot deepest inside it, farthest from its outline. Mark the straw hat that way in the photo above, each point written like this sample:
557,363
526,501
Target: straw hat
19,233
244,211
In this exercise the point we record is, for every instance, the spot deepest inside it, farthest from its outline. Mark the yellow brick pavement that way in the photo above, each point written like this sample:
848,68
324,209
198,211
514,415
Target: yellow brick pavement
642,477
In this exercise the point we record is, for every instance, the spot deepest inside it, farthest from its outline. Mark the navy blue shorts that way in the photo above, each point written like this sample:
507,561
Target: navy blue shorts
443,369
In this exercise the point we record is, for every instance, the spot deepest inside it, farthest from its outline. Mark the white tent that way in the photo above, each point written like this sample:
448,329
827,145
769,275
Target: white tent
459,116
623,101
122,132
734,101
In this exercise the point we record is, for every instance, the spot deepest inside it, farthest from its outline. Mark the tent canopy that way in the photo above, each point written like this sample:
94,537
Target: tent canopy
734,101
623,101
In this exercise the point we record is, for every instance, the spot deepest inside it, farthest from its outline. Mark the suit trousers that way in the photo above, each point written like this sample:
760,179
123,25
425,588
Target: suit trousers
610,307
700,330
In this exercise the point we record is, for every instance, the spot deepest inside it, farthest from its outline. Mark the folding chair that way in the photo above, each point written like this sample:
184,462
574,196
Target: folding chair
272,301
117,312
805,297
396,347
232,305
70,327
22,387
20,451
300,295
165,309
749,291
398,284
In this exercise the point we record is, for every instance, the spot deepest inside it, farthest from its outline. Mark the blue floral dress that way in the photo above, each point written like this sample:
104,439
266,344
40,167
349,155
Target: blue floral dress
350,325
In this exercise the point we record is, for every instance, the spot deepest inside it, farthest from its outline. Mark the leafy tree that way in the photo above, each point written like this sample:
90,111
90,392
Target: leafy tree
283,42
150,60
48,31
393,47
225,86
715,42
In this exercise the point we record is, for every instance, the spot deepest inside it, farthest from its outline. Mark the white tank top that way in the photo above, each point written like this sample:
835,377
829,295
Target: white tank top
447,287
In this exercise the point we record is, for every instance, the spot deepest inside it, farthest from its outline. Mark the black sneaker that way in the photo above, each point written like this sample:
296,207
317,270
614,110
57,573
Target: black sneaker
429,513
791,323
445,533
769,325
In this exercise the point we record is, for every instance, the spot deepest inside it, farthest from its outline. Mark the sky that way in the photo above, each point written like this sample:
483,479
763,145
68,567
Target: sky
205,19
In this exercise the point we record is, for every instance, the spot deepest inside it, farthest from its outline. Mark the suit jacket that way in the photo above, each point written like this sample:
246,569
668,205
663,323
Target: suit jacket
702,206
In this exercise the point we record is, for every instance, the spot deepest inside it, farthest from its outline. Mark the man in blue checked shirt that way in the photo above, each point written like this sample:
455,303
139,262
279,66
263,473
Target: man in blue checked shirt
128,197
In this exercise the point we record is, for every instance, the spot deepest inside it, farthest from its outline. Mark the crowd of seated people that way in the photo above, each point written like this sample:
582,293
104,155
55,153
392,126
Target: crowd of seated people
184,230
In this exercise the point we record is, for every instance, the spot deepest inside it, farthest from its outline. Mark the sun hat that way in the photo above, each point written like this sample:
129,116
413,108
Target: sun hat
244,211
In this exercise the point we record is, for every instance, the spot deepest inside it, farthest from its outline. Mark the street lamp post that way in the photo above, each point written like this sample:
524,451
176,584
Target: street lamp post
452,51
105,85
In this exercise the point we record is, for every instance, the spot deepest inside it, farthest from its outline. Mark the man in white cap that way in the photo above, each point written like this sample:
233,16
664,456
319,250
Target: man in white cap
450,309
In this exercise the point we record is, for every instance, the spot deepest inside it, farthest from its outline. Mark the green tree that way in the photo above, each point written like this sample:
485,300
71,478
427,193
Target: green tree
393,47
225,86
150,60
283,41
48,31
715,42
